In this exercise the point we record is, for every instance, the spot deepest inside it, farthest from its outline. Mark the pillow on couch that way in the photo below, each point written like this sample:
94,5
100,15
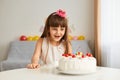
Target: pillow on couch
21,50
80,46
19,55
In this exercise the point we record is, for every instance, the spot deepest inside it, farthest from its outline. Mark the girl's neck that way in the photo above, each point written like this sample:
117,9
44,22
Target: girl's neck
54,43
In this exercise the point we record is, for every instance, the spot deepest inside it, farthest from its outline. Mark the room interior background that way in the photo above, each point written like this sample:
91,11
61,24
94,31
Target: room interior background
110,34
107,39
97,20
26,17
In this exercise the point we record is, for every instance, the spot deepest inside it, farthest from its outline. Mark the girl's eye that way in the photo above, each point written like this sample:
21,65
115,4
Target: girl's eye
62,29
54,29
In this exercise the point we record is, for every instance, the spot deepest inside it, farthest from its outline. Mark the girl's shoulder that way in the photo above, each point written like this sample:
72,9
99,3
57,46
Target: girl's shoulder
42,39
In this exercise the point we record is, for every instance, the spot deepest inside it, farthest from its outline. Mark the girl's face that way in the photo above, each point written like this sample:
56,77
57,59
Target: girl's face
56,33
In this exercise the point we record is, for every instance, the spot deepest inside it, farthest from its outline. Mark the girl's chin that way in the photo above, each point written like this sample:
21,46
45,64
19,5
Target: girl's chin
57,39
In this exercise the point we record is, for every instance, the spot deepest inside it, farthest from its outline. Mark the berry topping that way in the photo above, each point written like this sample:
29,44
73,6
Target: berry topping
69,54
63,54
73,56
89,55
83,56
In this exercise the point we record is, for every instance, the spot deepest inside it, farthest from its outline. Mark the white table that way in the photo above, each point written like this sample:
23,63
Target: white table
103,73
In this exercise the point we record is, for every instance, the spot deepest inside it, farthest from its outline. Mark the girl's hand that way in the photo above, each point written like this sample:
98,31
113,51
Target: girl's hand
33,66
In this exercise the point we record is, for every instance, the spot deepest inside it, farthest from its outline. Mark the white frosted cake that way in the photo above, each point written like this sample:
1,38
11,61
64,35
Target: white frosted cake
77,63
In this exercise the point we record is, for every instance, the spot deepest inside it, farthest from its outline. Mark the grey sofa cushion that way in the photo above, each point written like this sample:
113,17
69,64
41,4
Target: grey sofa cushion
13,64
80,45
20,53
21,50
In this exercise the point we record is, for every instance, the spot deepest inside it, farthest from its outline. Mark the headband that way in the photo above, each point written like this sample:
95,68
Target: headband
61,13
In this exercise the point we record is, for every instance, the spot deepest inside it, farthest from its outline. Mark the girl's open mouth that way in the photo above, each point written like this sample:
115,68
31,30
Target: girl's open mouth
57,37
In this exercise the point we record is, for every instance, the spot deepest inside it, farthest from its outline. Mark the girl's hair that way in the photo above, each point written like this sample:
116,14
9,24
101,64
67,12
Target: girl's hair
56,20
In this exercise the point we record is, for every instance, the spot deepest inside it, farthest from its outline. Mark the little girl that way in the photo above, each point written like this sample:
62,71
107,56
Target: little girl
53,41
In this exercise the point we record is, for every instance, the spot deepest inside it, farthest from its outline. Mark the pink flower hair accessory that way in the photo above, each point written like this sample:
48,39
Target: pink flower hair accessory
61,13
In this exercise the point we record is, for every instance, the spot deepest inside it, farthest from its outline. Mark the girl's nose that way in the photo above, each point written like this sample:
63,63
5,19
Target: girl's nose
58,31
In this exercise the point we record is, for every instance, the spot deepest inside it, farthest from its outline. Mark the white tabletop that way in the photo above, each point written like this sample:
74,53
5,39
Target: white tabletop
44,73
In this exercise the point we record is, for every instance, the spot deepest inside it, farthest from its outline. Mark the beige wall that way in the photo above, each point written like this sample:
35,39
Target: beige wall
19,17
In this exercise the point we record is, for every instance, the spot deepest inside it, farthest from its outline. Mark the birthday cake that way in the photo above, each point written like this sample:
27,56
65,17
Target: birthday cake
81,63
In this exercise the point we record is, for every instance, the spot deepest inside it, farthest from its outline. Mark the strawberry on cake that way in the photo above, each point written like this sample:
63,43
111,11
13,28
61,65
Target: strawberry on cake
79,62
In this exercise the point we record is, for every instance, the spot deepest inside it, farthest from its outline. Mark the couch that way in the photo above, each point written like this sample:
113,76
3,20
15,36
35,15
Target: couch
20,53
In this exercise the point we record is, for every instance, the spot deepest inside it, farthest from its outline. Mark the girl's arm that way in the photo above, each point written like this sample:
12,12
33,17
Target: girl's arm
37,51
35,58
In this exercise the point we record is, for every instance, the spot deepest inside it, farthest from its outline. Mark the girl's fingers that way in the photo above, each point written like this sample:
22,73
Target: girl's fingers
29,66
38,66
33,66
